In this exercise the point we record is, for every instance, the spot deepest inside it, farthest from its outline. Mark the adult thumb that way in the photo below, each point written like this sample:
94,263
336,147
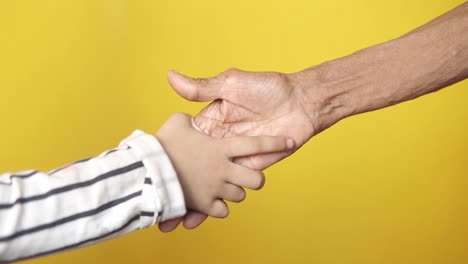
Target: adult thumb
196,90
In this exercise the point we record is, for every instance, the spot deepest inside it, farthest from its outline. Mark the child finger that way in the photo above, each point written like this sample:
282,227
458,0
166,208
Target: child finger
233,193
262,161
193,219
219,209
247,178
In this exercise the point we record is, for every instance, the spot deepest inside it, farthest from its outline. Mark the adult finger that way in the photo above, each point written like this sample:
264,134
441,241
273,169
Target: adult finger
193,219
169,225
196,90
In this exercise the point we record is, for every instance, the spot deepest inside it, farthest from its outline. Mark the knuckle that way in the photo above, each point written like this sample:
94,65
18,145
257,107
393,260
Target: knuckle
192,95
207,205
212,210
219,210
230,75
231,71
200,83
206,208
281,78
179,117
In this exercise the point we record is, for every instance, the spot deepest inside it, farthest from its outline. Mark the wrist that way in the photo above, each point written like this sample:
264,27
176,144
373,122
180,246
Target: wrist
161,193
322,98
358,83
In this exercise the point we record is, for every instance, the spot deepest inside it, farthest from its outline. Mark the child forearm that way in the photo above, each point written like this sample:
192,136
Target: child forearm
122,190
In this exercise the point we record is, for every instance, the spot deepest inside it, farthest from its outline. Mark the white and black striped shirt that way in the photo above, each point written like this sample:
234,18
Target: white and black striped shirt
125,189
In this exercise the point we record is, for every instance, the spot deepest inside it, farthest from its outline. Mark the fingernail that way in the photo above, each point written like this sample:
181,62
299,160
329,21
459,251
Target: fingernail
290,143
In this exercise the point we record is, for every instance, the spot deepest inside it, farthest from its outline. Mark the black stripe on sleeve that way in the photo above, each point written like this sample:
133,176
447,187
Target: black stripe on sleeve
148,181
149,214
70,218
19,176
111,151
23,176
87,159
117,149
74,186
133,219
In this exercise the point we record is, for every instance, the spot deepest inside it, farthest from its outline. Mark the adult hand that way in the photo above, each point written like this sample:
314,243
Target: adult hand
249,104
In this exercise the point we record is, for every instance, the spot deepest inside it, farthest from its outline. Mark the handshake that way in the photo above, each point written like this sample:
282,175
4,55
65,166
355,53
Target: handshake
255,120
206,166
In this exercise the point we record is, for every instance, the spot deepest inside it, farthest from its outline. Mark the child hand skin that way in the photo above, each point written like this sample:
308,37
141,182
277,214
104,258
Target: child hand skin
205,165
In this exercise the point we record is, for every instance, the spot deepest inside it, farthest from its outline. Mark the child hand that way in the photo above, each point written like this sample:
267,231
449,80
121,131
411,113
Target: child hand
205,168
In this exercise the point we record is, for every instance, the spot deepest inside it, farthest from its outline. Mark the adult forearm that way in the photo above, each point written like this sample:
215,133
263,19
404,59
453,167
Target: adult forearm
423,61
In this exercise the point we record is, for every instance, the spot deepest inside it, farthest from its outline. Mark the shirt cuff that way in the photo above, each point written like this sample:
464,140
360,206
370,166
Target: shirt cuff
162,196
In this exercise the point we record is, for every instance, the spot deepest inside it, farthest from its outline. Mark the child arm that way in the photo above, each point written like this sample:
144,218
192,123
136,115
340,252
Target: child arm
122,190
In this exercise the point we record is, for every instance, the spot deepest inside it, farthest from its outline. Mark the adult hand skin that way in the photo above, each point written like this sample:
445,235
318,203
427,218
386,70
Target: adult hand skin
248,104
302,104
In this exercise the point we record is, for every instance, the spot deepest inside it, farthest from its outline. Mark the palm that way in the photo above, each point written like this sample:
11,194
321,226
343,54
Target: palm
255,104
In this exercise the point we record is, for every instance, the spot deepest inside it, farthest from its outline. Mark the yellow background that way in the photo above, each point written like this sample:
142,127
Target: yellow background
390,186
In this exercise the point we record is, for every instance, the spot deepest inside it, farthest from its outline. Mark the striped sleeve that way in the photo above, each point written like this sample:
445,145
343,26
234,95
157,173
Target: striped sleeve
125,189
